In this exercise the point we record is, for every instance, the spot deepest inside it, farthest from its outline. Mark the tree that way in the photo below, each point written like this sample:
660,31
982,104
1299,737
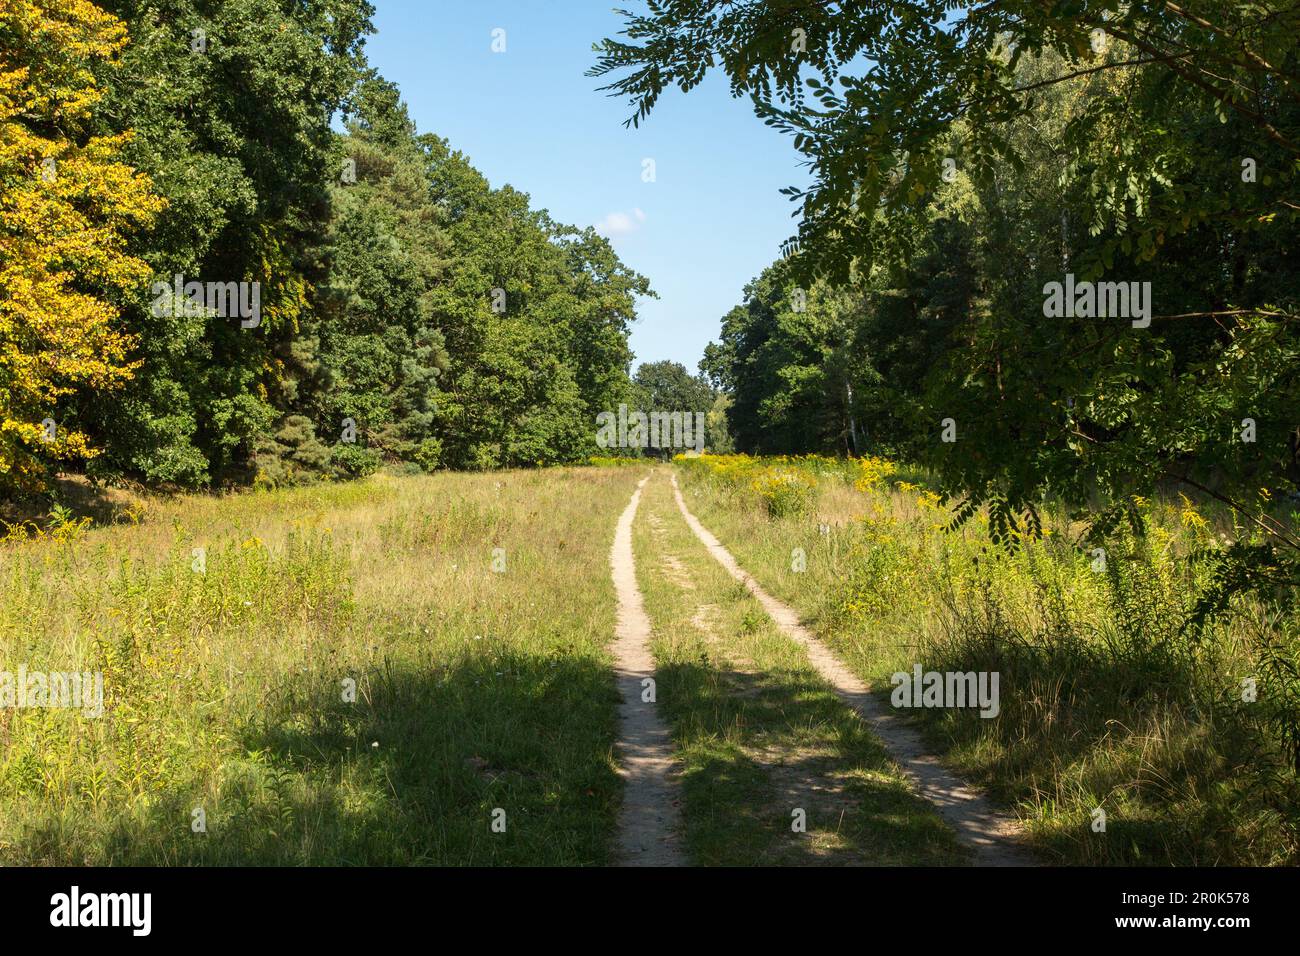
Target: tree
380,351
668,387
535,317
377,255
891,83
965,160
67,204
231,106
786,360
719,434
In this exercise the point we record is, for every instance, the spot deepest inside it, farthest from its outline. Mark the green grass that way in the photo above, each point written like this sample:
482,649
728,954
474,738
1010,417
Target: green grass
224,690
478,690
758,732
1106,702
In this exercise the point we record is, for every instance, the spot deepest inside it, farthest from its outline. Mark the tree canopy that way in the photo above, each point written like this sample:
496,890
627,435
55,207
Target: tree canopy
969,159
67,205
409,312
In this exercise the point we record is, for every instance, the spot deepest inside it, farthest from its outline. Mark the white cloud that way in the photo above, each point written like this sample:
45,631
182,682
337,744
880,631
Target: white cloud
621,223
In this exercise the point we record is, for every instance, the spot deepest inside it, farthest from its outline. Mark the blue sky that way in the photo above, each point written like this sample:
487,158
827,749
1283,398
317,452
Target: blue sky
711,221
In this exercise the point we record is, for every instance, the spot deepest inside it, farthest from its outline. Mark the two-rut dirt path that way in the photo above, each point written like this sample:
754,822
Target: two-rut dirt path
649,823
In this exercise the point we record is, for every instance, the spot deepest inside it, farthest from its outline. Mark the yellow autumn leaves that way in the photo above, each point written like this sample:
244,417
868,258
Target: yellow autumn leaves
67,203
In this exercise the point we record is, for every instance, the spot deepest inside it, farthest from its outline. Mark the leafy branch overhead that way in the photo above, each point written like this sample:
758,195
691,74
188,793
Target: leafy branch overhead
876,95
966,157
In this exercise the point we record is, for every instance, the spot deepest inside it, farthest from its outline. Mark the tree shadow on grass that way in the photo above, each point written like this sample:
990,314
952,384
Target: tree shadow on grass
770,743
79,495
411,773
1182,780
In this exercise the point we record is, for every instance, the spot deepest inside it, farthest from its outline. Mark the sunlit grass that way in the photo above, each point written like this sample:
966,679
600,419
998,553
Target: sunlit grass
225,687
1107,700
759,734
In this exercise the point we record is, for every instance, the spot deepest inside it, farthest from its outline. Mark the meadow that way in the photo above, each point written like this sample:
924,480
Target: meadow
1109,700
481,676
416,669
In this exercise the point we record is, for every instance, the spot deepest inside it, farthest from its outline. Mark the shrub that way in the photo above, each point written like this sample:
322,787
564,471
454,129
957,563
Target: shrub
785,493
354,461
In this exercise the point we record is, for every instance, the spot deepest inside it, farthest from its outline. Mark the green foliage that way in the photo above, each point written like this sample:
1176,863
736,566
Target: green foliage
376,249
237,140
380,346
786,359
718,432
960,167
525,385
1107,698
875,96
668,387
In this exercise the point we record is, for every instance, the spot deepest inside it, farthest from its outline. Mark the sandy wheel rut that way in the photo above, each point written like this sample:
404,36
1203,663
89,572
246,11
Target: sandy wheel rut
648,826
994,836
